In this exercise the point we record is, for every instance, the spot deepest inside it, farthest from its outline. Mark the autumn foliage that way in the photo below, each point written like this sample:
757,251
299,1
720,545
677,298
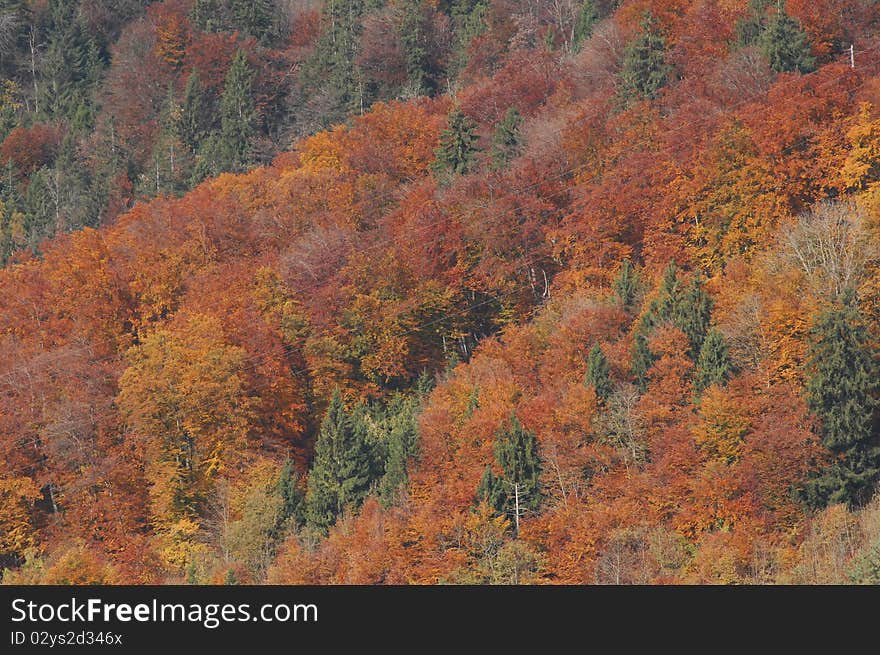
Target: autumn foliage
164,376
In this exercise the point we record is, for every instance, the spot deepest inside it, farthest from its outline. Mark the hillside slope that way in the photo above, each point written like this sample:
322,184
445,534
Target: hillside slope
605,311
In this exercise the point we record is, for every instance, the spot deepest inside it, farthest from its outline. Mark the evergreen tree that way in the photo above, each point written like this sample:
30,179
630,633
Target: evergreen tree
457,150
238,115
414,32
40,208
587,17
516,452
626,284
750,27
71,65
507,140
341,472
785,45
641,361
645,70
193,122
691,314
171,158
257,18
687,308
713,364
490,490
842,387
292,497
599,374
332,70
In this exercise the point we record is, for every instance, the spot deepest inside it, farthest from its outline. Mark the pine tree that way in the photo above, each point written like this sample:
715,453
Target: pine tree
255,17
599,374
238,115
507,140
490,490
586,20
713,364
457,150
341,472
842,389
786,46
401,445
645,70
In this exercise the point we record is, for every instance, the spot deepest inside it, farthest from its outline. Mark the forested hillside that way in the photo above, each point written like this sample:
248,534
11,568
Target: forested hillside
417,291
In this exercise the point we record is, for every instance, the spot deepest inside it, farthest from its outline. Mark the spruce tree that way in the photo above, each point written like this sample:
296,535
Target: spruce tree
71,65
457,150
507,140
599,374
194,121
641,361
340,476
842,392
332,70
645,70
292,497
750,27
626,284
516,452
786,46
238,115
413,33
586,20
691,314
713,364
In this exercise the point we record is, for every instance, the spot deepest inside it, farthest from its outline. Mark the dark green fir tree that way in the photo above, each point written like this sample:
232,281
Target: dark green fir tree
342,469
785,44
713,364
599,374
458,146
507,140
842,392
645,70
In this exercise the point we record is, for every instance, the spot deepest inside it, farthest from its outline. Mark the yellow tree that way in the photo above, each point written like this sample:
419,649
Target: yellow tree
862,164
184,398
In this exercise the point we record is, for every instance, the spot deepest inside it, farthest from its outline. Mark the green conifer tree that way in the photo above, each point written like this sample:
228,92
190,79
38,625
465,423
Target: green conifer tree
785,44
645,70
516,452
507,140
626,284
713,364
238,115
194,118
458,146
842,386
588,16
342,469
599,373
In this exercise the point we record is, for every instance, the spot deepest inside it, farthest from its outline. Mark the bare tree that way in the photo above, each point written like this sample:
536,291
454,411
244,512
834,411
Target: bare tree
830,245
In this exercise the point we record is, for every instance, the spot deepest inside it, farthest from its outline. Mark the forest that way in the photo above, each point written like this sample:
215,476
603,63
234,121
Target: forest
440,292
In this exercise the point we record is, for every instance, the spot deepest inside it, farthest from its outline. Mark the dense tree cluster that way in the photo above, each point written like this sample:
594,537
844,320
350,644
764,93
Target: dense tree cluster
468,292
